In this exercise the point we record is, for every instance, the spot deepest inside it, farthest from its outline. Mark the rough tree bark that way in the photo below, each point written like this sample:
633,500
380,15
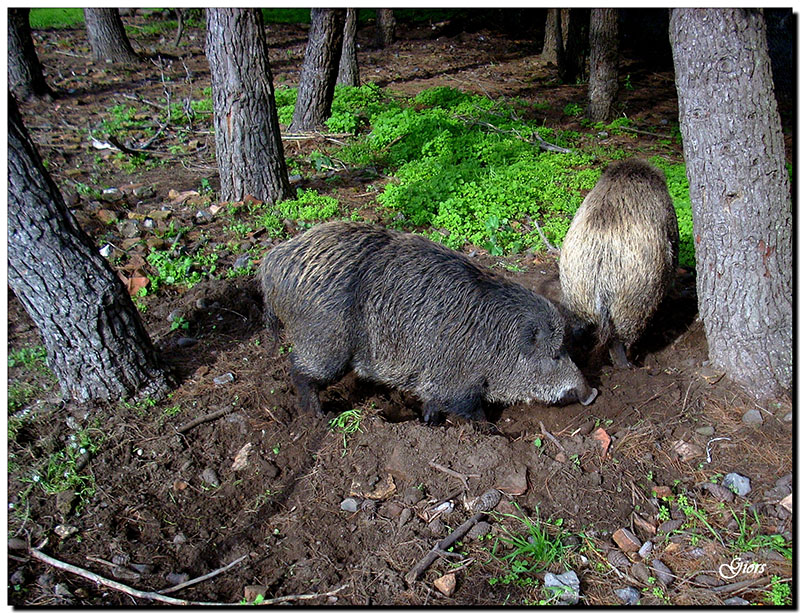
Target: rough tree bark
96,343
320,67
25,76
107,37
603,62
348,64
385,27
248,138
741,204
553,34
576,43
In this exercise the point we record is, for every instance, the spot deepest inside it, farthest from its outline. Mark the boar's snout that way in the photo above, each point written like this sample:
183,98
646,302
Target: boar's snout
588,398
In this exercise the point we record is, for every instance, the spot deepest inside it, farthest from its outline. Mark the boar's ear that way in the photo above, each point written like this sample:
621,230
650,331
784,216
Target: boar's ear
533,336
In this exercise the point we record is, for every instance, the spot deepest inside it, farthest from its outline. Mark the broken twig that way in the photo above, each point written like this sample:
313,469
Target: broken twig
203,419
452,473
440,547
552,438
213,573
546,242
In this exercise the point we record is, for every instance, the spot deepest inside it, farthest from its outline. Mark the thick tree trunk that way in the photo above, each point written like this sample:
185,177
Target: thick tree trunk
603,62
741,204
96,343
386,24
249,148
320,67
25,77
348,64
576,44
551,41
107,37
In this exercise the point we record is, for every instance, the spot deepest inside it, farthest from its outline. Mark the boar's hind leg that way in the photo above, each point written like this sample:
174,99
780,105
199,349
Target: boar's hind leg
307,389
618,355
468,406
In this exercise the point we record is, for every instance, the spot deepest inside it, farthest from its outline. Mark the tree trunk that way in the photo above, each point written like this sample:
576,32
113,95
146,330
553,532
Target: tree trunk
248,137
25,77
741,204
603,63
386,24
576,43
320,67
348,64
107,37
96,343
549,48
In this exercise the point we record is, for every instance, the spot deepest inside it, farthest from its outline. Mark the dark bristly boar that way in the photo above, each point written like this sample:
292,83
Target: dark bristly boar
620,254
404,311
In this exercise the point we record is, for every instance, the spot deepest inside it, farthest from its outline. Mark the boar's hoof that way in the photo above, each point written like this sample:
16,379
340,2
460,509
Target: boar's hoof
590,397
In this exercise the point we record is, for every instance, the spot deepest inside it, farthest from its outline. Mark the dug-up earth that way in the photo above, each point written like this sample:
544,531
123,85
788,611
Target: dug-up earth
228,475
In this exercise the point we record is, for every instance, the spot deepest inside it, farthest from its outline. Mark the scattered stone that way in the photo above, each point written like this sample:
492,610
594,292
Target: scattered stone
45,580
663,572
350,505
753,416
446,507
628,595
670,525
735,601
412,496
705,430
788,417
640,573
687,451
223,379
786,503
697,552
446,584
392,510
717,491
179,539
437,528
737,483
64,501
405,515
177,578
251,592
17,577
566,585
128,228
112,194
185,342
209,475
626,540
17,544
661,491
129,243
242,261
644,525
514,480
202,217
143,569
106,250
482,528
785,481
618,559
294,179
646,549
63,531
149,223
240,461
707,580
62,591
107,216
144,191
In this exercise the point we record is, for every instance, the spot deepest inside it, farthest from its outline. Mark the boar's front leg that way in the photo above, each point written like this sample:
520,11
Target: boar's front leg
468,406
307,390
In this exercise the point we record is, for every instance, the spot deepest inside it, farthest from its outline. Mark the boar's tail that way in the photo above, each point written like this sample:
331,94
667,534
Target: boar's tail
605,327
273,324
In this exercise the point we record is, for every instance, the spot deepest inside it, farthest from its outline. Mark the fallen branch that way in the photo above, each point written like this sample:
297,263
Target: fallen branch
203,419
270,601
546,242
543,144
627,129
740,585
552,438
213,573
452,473
440,547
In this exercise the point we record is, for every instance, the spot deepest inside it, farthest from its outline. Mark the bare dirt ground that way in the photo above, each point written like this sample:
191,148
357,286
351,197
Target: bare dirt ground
264,484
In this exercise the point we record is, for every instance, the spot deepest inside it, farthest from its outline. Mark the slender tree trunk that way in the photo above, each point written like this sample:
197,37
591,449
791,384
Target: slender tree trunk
249,148
348,64
741,205
25,76
603,63
550,48
386,24
320,67
107,37
573,67
96,343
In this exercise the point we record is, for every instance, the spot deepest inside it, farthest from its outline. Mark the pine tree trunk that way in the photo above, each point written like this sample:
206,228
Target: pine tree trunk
576,44
320,67
107,37
741,204
386,24
248,138
348,64
603,62
551,41
25,77
96,343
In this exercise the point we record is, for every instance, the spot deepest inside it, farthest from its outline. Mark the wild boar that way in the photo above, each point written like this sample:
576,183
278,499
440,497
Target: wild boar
404,311
620,254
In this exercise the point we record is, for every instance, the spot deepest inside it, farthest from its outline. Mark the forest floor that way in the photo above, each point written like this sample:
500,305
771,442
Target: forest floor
149,502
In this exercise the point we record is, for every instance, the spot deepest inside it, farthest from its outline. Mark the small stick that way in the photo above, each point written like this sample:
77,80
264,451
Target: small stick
627,129
739,585
213,573
546,242
452,473
552,438
416,572
203,419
